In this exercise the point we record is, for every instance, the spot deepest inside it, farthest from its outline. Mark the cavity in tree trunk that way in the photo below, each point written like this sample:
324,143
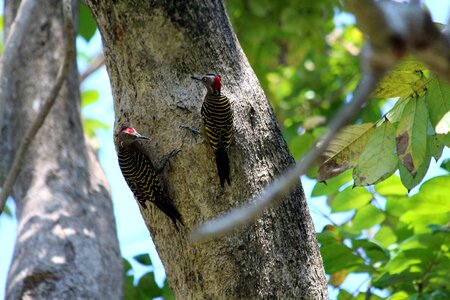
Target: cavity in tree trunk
66,246
152,48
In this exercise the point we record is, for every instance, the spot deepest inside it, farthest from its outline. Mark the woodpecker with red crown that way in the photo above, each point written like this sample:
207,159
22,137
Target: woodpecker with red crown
217,119
140,174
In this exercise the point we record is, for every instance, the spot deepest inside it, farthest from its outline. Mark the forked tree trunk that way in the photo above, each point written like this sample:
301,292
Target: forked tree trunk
152,48
66,245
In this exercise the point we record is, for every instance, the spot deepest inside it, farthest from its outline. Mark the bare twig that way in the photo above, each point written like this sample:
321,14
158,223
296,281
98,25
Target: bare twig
96,64
40,118
274,192
13,42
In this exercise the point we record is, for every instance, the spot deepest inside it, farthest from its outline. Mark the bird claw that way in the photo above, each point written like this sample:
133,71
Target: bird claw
193,130
166,159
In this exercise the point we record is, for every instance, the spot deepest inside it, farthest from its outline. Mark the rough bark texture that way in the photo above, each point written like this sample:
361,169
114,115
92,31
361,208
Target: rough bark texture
66,246
152,48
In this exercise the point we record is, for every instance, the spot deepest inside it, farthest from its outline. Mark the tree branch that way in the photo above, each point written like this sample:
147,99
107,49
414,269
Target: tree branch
396,29
96,64
282,185
13,42
40,118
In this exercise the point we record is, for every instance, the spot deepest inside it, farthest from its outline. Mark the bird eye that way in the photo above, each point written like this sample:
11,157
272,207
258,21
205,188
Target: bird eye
204,79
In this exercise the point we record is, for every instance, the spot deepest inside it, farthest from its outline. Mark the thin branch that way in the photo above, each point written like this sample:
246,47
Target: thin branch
97,63
13,43
40,118
282,185
396,30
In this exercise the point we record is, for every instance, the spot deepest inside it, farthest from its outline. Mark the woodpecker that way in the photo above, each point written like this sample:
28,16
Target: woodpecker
140,175
217,119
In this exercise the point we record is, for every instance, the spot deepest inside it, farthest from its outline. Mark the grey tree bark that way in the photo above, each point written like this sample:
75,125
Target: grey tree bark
66,245
152,48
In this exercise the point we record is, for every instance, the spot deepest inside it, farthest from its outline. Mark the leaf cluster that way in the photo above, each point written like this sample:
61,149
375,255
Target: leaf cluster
412,133
146,287
401,242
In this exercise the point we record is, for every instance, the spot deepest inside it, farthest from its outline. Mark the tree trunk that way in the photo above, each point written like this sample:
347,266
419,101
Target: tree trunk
66,245
152,48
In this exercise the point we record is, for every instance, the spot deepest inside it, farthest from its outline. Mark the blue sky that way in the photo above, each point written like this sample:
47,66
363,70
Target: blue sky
133,235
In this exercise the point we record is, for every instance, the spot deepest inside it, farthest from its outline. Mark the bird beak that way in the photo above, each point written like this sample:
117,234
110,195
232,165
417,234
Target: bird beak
142,137
196,78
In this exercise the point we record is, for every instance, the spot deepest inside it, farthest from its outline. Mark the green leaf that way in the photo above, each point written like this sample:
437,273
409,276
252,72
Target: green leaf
300,144
344,150
167,293
126,266
332,185
446,164
390,186
143,259
438,101
6,209
259,8
405,80
405,259
431,241
411,135
337,257
395,114
130,292
434,149
350,198
147,287
372,250
89,97
385,236
91,125
378,161
86,22
430,205
367,217
402,295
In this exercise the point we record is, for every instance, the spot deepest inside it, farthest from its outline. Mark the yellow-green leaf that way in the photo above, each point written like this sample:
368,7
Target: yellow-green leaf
411,137
385,236
344,150
378,160
434,149
405,80
350,198
89,97
367,217
395,114
391,186
438,101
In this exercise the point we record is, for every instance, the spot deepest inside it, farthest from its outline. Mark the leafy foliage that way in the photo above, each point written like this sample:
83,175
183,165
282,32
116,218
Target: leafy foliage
86,22
405,139
146,287
394,243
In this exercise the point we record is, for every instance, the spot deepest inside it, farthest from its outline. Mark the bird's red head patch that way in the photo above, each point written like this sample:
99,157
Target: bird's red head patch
129,130
217,83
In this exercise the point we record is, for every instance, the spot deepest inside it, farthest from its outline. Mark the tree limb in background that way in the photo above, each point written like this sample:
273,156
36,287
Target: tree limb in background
40,118
397,29
394,31
96,64
13,42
